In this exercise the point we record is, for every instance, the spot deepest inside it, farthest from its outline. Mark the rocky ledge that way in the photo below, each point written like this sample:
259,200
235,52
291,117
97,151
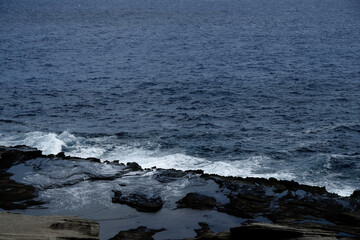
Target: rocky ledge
223,207
18,226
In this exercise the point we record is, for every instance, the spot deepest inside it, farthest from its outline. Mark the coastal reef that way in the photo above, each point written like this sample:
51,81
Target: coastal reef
129,202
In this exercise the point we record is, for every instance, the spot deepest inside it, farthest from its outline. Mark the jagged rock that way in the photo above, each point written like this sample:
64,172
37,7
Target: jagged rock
285,202
169,175
46,227
92,159
197,201
10,156
61,155
204,230
355,194
140,233
205,233
139,201
133,166
245,205
278,201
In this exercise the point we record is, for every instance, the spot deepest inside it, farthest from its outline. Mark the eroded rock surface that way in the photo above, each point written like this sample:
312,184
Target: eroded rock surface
140,233
290,203
265,230
271,231
139,201
197,201
18,226
10,156
292,209
15,195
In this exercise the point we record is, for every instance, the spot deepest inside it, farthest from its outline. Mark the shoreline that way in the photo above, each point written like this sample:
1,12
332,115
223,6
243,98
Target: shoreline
207,198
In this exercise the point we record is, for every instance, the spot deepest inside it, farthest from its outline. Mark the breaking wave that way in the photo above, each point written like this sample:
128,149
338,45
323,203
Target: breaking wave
108,148
112,148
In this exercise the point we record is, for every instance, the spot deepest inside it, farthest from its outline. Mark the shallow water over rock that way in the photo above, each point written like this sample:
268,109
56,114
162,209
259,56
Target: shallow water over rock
85,188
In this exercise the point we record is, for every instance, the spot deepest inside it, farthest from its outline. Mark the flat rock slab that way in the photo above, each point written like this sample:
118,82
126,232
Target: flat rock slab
275,231
18,226
270,231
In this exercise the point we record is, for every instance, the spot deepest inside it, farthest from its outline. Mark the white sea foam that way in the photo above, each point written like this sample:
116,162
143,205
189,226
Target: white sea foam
108,148
49,143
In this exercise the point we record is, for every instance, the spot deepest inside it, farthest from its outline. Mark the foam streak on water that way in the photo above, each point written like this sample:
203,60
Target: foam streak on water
106,148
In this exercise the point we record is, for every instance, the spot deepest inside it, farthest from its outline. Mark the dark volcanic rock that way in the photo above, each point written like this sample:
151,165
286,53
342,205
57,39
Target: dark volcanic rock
288,202
197,201
205,233
355,194
15,195
133,166
245,205
61,155
203,230
274,231
139,201
92,159
270,231
169,175
10,156
140,233
301,211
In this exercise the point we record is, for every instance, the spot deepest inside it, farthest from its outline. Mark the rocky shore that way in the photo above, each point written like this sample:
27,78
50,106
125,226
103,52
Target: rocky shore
134,203
19,226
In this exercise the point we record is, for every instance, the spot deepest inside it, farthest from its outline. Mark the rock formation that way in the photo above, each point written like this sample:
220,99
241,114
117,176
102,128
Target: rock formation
18,226
264,208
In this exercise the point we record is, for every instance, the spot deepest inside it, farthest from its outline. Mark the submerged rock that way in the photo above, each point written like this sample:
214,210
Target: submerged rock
139,201
140,233
46,227
197,201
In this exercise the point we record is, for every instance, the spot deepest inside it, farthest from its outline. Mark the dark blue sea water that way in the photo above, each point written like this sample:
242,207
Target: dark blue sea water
265,88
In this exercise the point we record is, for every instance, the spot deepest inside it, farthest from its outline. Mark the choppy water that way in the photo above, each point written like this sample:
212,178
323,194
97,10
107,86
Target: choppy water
234,87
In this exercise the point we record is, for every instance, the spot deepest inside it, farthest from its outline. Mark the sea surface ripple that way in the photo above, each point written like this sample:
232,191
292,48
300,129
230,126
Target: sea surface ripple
235,87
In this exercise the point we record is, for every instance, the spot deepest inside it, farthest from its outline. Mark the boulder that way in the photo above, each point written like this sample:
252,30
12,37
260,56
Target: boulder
139,201
133,166
197,201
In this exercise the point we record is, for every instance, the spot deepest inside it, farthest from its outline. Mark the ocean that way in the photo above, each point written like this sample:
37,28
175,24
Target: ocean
233,87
